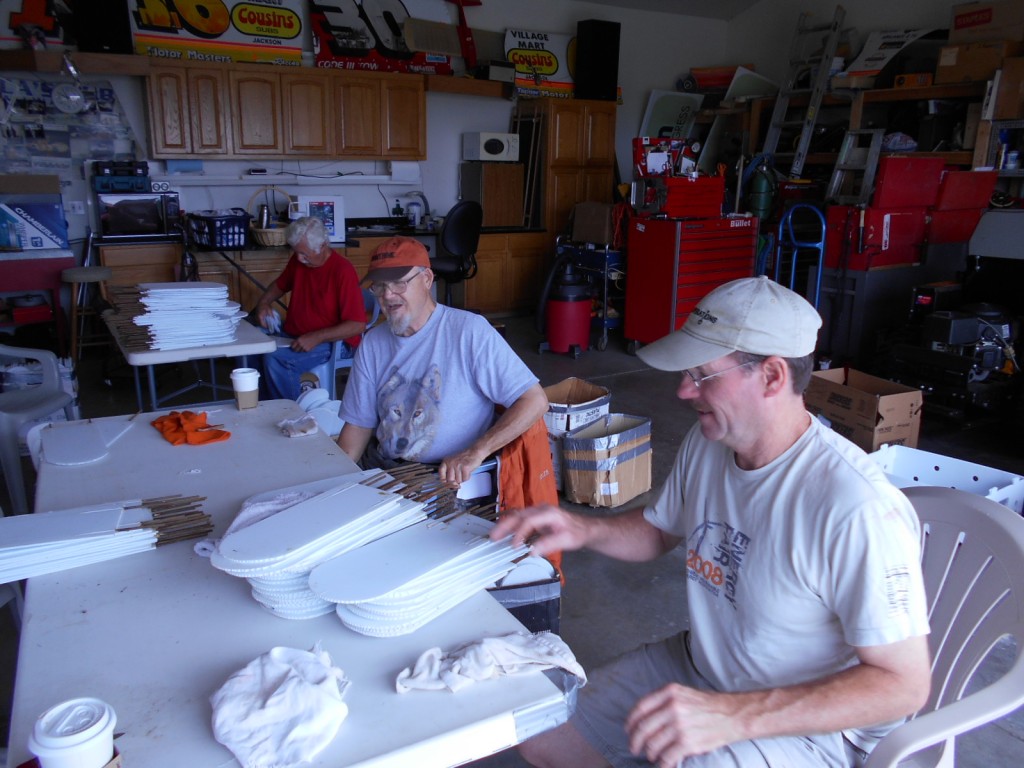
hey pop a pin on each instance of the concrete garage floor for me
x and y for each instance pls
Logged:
(609, 607)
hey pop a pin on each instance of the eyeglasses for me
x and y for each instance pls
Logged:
(698, 380)
(395, 286)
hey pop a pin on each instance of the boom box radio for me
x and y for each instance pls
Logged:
(490, 146)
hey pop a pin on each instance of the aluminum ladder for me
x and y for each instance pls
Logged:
(817, 65)
(845, 188)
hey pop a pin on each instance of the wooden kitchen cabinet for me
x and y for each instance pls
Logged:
(512, 267)
(308, 115)
(188, 113)
(146, 263)
(380, 115)
(253, 111)
(256, 106)
(262, 266)
(576, 161)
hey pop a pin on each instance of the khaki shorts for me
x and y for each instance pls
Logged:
(613, 689)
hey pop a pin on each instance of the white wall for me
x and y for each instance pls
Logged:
(655, 50)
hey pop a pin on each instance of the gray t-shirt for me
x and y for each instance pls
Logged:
(432, 394)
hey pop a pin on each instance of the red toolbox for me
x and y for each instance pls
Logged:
(673, 263)
(907, 182)
(963, 197)
(699, 197)
(891, 236)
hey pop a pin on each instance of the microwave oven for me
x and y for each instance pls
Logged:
(138, 214)
(490, 146)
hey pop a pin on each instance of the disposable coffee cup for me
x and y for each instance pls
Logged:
(246, 383)
(78, 733)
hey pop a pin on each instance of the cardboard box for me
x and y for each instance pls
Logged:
(978, 22)
(868, 411)
(592, 223)
(973, 62)
(572, 403)
(31, 213)
(1008, 98)
(607, 463)
(32, 226)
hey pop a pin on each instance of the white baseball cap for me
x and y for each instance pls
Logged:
(754, 315)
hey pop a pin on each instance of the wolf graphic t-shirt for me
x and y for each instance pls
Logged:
(432, 394)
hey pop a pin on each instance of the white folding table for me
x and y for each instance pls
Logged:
(156, 633)
(249, 340)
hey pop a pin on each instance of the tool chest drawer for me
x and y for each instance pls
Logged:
(673, 263)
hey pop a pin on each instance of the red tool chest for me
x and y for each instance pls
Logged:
(673, 263)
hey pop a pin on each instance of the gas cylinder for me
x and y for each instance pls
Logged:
(762, 190)
(567, 312)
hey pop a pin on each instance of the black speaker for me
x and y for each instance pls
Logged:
(597, 59)
(102, 26)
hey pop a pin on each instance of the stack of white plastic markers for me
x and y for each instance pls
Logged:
(276, 553)
(179, 315)
(47, 542)
(395, 585)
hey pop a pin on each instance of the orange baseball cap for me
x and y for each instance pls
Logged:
(392, 259)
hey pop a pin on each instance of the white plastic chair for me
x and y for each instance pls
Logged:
(327, 372)
(19, 406)
(973, 561)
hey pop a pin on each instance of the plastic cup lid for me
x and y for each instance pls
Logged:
(73, 722)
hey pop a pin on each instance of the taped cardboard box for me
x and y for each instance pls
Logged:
(868, 411)
(608, 463)
(974, 62)
(572, 403)
(977, 22)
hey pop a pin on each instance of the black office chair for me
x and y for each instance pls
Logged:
(456, 246)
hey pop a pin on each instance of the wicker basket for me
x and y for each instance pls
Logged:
(272, 237)
(269, 238)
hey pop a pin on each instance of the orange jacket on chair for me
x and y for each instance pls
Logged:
(527, 476)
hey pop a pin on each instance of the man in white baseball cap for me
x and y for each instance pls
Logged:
(805, 607)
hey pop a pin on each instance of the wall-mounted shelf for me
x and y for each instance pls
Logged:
(468, 86)
(86, 63)
(202, 180)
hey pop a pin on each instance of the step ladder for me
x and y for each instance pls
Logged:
(808, 57)
(853, 177)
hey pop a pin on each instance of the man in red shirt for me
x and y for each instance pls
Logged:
(326, 305)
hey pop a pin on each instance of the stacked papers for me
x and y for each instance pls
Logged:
(276, 554)
(395, 585)
(47, 542)
(181, 315)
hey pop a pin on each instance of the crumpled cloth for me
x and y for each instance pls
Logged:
(188, 427)
(304, 425)
(489, 658)
(282, 709)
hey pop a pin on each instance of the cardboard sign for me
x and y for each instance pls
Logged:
(542, 61)
(219, 30)
(370, 35)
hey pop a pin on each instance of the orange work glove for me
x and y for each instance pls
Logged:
(187, 427)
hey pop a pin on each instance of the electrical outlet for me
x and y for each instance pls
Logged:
(75, 207)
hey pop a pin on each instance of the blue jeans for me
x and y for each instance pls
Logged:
(283, 368)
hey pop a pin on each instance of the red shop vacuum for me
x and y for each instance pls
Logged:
(564, 311)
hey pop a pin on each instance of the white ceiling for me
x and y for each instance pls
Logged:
(709, 9)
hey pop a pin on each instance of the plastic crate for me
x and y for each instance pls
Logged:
(220, 229)
(907, 467)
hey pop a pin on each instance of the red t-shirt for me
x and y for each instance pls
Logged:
(322, 296)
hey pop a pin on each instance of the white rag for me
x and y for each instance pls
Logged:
(304, 425)
(282, 709)
(489, 658)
